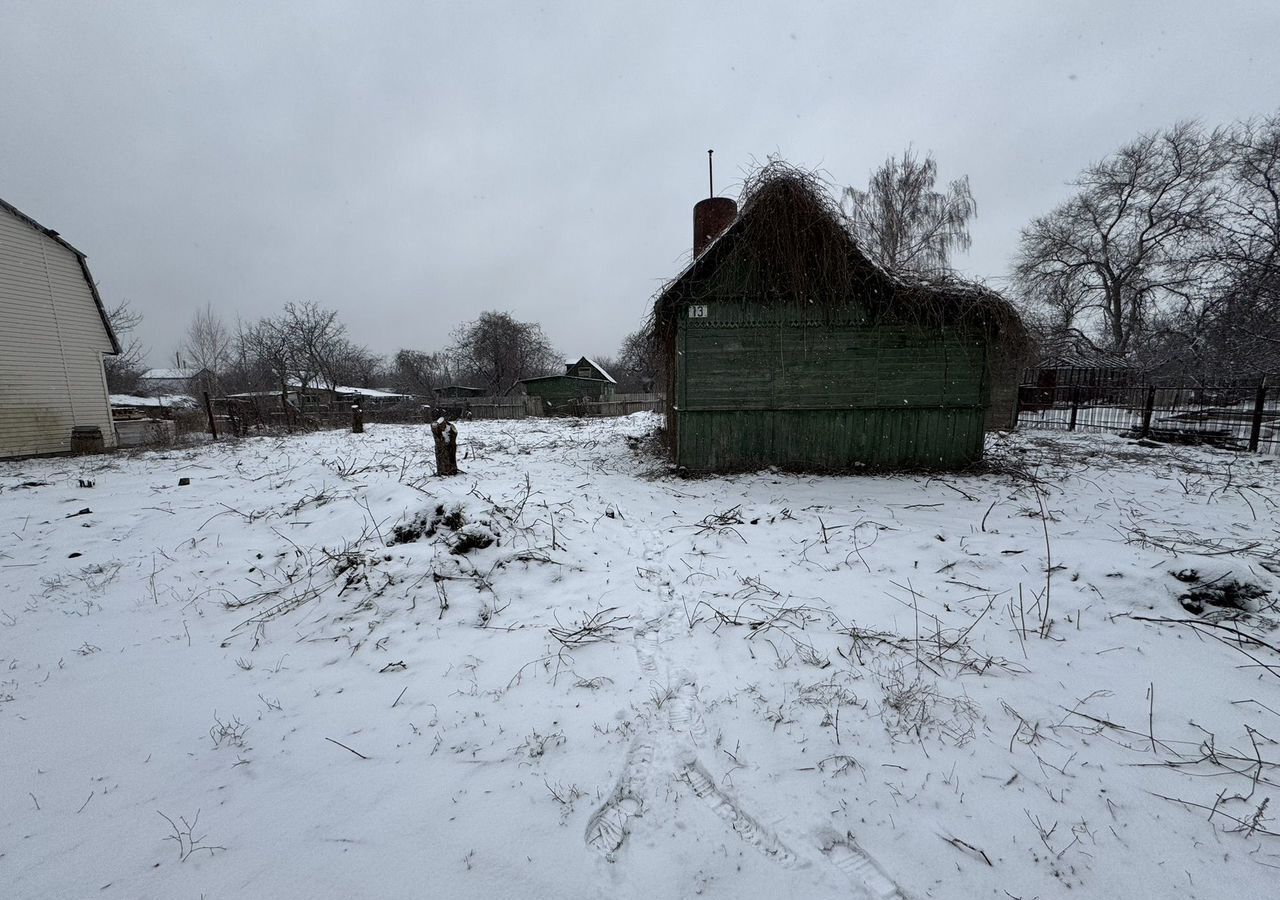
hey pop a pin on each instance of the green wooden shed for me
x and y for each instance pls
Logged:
(583, 379)
(784, 345)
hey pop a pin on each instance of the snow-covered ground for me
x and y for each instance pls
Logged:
(303, 674)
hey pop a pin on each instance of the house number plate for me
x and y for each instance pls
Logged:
(698, 312)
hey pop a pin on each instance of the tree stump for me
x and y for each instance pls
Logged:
(357, 419)
(446, 438)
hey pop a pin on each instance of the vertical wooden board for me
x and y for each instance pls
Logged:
(764, 385)
(829, 439)
(748, 362)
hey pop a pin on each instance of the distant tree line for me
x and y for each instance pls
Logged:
(306, 345)
(1167, 252)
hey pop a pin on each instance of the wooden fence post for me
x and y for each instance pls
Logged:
(208, 408)
(1148, 411)
(446, 437)
(1075, 409)
(1255, 427)
(284, 408)
(357, 419)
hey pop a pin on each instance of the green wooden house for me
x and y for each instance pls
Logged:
(583, 379)
(784, 345)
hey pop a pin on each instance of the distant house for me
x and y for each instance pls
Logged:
(185, 381)
(128, 405)
(53, 335)
(583, 379)
(320, 396)
(369, 398)
(1071, 370)
(783, 344)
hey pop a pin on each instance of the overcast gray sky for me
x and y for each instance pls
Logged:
(412, 164)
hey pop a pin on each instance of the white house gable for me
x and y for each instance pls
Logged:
(53, 335)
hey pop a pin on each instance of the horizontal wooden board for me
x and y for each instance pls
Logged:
(789, 367)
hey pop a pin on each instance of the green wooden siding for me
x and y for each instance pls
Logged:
(760, 386)
(559, 390)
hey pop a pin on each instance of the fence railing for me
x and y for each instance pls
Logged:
(618, 405)
(1244, 417)
(493, 407)
(237, 414)
(533, 406)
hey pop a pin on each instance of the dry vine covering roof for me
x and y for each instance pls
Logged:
(790, 244)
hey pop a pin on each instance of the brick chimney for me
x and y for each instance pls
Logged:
(710, 218)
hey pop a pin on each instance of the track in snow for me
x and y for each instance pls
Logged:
(674, 738)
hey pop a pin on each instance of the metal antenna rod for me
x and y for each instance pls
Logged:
(711, 185)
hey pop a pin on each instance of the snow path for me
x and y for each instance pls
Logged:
(674, 735)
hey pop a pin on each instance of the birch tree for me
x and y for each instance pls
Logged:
(904, 222)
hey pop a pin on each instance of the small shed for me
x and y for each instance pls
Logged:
(783, 344)
(1071, 368)
(583, 379)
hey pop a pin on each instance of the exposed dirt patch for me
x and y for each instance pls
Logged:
(1223, 592)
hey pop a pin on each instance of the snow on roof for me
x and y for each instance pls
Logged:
(295, 384)
(180, 400)
(366, 392)
(595, 365)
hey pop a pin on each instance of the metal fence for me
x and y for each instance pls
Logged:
(1241, 416)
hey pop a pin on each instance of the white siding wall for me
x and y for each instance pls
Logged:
(51, 345)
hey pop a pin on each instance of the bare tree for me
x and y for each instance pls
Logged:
(1130, 246)
(354, 365)
(1242, 317)
(637, 366)
(904, 222)
(606, 362)
(316, 340)
(416, 372)
(495, 351)
(1229, 328)
(265, 351)
(123, 369)
(208, 343)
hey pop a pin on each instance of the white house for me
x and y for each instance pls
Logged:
(53, 335)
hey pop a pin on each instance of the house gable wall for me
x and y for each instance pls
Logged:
(761, 385)
(52, 340)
